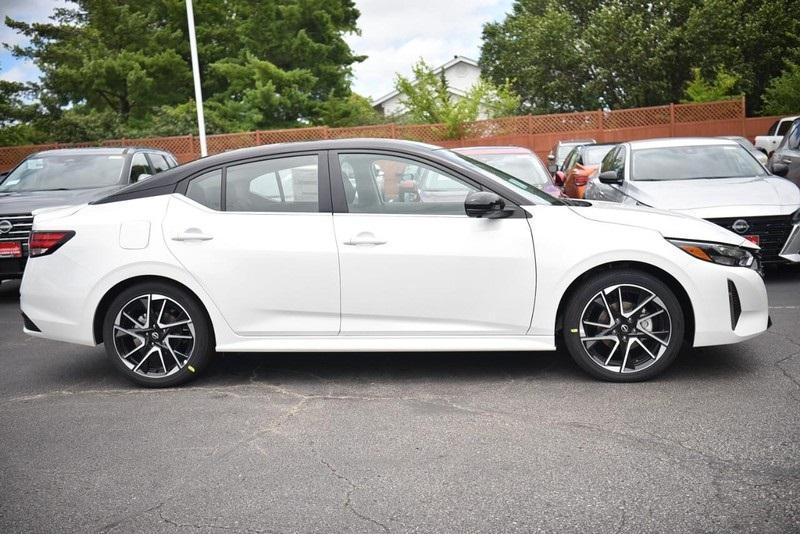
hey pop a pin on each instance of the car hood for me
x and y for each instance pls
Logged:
(720, 197)
(669, 224)
(26, 202)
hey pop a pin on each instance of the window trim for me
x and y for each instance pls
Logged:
(339, 197)
(129, 180)
(149, 156)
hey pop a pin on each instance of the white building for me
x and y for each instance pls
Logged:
(461, 73)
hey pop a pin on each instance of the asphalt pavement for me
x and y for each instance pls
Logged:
(455, 442)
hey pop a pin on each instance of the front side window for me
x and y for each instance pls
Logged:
(614, 160)
(693, 163)
(159, 163)
(784, 127)
(793, 137)
(289, 184)
(377, 183)
(139, 166)
(56, 172)
(206, 189)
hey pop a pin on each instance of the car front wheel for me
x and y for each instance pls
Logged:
(157, 335)
(623, 326)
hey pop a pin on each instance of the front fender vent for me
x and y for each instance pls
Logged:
(736, 304)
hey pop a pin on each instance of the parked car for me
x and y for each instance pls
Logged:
(198, 259)
(559, 152)
(758, 154)
(582, 163)
(518, 162)
(60, 178)
(769, 142)
(714, 179)
(785, 160)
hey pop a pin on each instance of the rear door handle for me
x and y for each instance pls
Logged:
(787, 160)
(192, 234)
(364, 238)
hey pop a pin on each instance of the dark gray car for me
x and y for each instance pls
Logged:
(788, 154)
(64, 177)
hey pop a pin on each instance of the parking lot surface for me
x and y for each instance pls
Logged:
(496, 442)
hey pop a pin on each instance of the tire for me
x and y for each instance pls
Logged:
(175, 340)
(629, 347)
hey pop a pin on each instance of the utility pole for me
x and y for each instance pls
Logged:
(198, 92)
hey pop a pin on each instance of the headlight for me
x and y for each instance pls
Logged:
(729, 255)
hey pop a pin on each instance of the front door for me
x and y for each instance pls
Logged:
(413, 263)
(254, 236)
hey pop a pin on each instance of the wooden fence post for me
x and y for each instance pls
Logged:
(672, 120)
(258, 137)
(744, 116)
(393, 131)
(601, 128)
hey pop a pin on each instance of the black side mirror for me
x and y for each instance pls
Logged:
(485, 204)
(610, 177)
(780, 169)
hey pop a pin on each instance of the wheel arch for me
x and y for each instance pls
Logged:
(671, 282)
(119, 287)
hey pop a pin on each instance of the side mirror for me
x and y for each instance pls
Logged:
(780, 169)
(551, 157)
(558, 178)
(485, 204)
(610, 177)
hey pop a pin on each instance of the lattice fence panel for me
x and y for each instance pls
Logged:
(636, 118)
(710, 111)
(292, 135)
(385, 131)
(497, 127)
(563, 122)
(219, 143)
(426, 133)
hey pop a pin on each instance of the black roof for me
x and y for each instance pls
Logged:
(172, 176)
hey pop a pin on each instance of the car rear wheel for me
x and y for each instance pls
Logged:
(624, 326)
(157, 335)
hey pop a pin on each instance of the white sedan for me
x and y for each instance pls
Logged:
(714, 179)
(300, 247)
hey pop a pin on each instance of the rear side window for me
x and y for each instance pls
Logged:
(288, 184)
(206, 189)
(159, 163)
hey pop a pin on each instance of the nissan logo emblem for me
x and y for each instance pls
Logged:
(5, 227)
(741, 226)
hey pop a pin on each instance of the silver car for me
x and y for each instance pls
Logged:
(714, 179)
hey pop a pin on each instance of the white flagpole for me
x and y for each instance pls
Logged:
(198, 92)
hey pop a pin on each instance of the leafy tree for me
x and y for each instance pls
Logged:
(782, 96)
(352, 110)
(722, 87)
(427, 99)
(124, 64)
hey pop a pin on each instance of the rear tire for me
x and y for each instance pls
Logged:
(157, 335)
(634, 345)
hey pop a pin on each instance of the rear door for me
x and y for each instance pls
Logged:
(415, 264)
(258, 236)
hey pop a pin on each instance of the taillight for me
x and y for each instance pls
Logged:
(10, 249)
(44, 243)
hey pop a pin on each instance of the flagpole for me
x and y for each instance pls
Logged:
(198, 92)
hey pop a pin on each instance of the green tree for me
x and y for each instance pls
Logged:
(427, 99)
(125, 64)
(782, 96)
(352, 110)
(722, 87)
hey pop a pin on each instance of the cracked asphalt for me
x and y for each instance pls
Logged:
(496, 442)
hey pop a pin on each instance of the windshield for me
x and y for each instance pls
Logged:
(526, 167)
(49, 173)
(593, 155)
(693, 163)
(534, 194)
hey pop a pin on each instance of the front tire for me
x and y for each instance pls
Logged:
(157, 335)
(623, 326)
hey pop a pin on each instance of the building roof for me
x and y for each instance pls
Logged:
(456, 60)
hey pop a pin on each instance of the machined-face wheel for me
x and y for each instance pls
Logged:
(625, 328)
(153, 335)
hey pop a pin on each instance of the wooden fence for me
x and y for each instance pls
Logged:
(536, 132)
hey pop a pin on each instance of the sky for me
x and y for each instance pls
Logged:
(394, 35)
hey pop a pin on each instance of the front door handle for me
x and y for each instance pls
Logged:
(192, 234)
(364, 239)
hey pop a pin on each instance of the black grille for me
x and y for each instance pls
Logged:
(21, 224)
(736, 304)
(772, 231)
